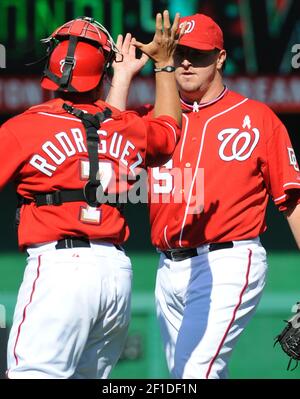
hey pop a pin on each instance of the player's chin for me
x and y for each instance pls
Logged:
(187, 86)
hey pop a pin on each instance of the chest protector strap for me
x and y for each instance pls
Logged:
(92, 193)
(93, 190)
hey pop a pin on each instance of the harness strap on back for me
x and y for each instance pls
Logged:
(93, 192)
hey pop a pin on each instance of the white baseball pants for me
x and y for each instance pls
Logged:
(72, 313)
(204, 303)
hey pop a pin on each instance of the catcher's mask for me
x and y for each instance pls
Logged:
(78, 54)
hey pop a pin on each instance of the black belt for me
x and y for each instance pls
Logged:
(61, 196)
(179, 254)
(77, 242)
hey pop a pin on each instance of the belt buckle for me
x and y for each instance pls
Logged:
(54, 198)
(179, 254)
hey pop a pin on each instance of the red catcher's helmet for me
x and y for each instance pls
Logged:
(77, 55)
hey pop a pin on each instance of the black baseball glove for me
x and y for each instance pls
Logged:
(289, 338)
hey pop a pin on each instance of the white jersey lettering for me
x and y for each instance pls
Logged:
(40, 163)
(102, 143)
(65, 147)
(53, 152)
(136, 163)
(78, 137)
(66, 143)
(126, 152)
(114, 148)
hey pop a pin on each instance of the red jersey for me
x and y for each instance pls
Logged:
(232, 155)
(45, 149)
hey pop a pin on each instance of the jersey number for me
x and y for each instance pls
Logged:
(165, 179)
(89, 214)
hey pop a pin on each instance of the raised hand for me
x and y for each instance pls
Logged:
(127, 63)
(161, 50)
(162, 47)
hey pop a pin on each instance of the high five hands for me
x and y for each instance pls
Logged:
(164, 42)
(160, 49)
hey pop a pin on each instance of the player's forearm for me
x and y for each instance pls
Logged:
(118, 93)
(293, 218)
(167, 100)
(161, 51)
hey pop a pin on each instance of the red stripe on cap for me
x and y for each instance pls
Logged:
(25, 308)
(233, 316)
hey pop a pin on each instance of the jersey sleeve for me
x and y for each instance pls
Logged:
(283, 173)
(145, 111)
(11, 155)
(163, 134)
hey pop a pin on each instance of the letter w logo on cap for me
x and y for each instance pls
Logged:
(190, 25)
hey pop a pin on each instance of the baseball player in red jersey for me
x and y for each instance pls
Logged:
(208, 204)
(66, 157)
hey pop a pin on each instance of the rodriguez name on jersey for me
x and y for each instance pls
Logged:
(65, 145)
